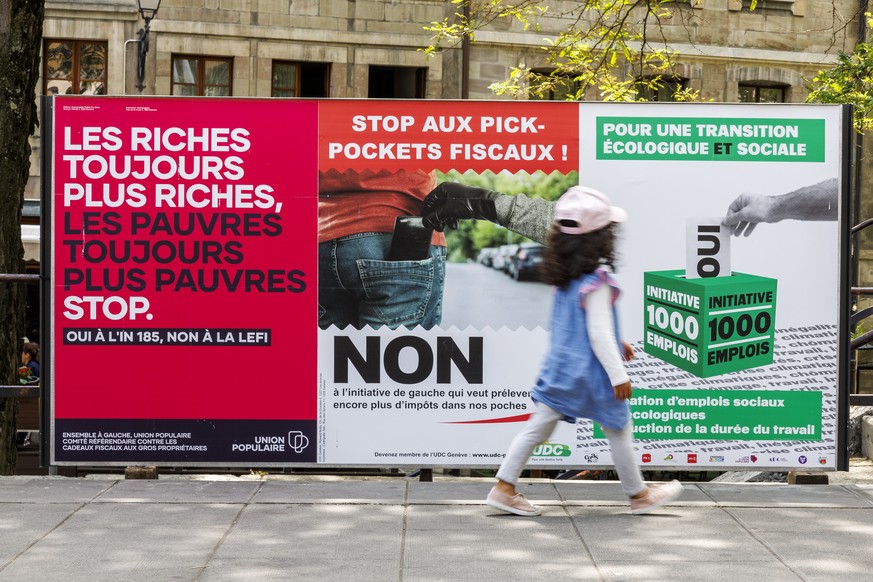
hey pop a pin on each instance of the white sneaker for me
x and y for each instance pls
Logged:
(658, 495)
(517, 504)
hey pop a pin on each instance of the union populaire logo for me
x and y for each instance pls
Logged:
(297, 441)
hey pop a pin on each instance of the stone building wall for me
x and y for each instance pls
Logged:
(350, 35)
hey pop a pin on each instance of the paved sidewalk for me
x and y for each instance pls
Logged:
(398, 529)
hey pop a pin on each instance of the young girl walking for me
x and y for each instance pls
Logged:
(583, 375)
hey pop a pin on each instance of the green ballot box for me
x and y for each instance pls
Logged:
(709, 326)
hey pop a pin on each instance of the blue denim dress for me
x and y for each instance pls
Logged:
(572, 380)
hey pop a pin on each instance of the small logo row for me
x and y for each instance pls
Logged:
(692, 459)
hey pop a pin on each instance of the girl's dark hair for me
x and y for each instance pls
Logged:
(32, 349)
(569, 256)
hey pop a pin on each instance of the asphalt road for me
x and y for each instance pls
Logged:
(480, 296)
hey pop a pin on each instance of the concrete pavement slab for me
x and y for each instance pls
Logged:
(306, 570)
(332, 491)
(451, 517)
(50, 490)
(309, 532)
(767, 495)
(694, 571)
(22, 524)
(673, 534)
(137, 541)
(161, 491)
(459, 542)
(474, 570)
(339, 529)
(461, 492)
(865, 491)
(817, 542)
(337, 541)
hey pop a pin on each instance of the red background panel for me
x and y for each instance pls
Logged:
(200, 243)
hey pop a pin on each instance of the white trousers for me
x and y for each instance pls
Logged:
(540, 427)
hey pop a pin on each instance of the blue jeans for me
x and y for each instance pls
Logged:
(357, 287)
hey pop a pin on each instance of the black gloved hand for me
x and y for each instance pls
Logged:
(450, 202)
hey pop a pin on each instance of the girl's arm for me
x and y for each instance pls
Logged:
(601, 334)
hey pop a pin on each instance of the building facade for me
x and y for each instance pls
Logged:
(371, 48)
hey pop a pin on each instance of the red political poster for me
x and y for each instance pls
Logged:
(184, 280)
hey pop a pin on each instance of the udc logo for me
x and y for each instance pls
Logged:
(297, 441)
(548, 449)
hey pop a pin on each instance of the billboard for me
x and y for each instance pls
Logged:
(231, 283)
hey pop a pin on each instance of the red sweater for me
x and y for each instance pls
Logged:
(351, 202)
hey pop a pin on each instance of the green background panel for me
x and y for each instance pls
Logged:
(725, 415)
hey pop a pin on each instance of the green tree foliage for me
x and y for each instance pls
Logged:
(849, 82)
(598, 38)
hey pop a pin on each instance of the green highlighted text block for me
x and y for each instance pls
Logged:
(715, 139)
(742, 415)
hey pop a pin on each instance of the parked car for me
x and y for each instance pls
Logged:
(524, 264)
(501, 258)
(486, 255)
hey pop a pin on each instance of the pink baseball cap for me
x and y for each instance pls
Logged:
(588, 208)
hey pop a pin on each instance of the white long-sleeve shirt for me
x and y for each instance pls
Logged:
(601, 333)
